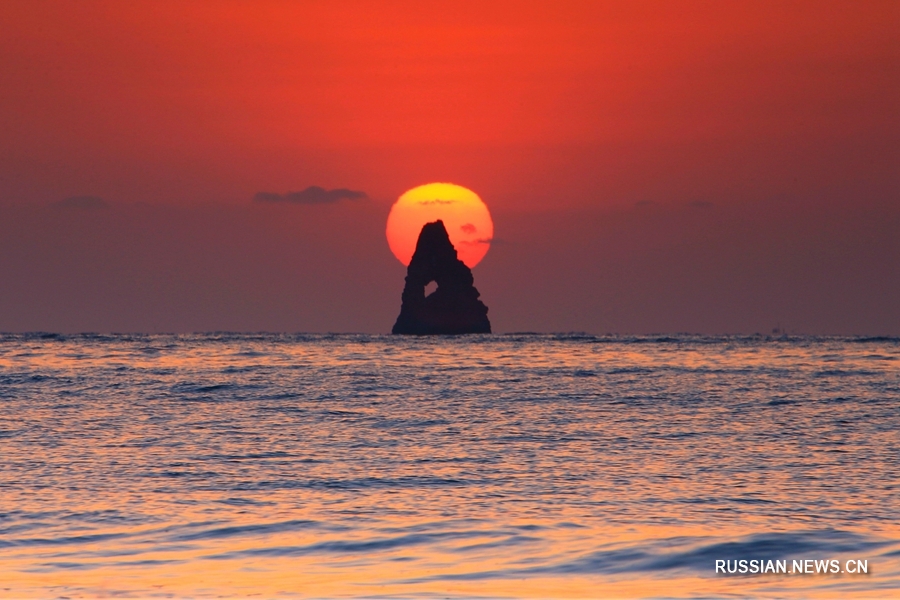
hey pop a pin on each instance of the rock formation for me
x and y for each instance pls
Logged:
(454, 306)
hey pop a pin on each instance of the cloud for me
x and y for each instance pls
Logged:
(468, 228)
(311, 195)
(437, 201)
(701, 204)
(477, 242)
(81, 203)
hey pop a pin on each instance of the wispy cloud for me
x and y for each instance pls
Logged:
(477, 242)
(701, 204)
(311, 195)
(81, 203)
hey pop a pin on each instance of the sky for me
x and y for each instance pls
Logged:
(651, 167)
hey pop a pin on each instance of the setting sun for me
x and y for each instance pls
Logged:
(464, 214)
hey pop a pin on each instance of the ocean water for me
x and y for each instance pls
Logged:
(505, 466)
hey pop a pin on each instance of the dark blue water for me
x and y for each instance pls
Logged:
(482, 466)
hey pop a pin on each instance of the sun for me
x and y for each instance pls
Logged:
(464, 214)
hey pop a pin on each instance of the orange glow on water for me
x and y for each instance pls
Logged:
(370, 466)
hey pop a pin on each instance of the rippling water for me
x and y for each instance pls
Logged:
(495, 466)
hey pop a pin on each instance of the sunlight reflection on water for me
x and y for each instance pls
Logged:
(541, 466)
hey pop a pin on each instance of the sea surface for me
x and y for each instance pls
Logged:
(507, 466)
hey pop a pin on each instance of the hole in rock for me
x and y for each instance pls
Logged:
(430, 288)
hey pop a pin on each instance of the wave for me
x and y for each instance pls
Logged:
(691, 555)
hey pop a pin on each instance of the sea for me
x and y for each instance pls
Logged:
(488, 466)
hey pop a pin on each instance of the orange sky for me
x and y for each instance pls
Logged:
(216, 100)
(771, 107)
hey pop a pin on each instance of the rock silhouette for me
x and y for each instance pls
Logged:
(454, 307)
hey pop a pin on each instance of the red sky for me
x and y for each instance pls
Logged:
(651, 166)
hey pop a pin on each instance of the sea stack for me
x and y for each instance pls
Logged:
(454, 307)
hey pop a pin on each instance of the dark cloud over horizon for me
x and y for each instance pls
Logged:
(311, 195)
(163, 268)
